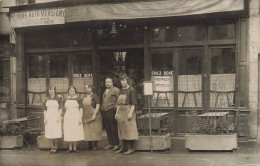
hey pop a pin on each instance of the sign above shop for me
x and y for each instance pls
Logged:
(82, 75)
(37, 17)
(162, 73)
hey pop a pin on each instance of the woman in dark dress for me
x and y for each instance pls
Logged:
(126, 116)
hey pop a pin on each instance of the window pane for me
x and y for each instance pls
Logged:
(82, 71)
(162, 34)
(58, 66)
(189, 78)
(59, 72)
(162, 77)
(219, 32)
(191, 33)
(37, 66)
(37, 80)
(120, 34)
(222, 79)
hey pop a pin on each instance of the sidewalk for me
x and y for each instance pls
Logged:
(247, 155)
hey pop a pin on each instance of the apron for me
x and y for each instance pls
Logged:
(92, 129)
(53, 128)
(72, 130)
(127, 129)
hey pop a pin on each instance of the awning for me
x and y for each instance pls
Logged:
(152, 9)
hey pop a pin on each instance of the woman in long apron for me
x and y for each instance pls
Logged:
(92, 120)
(126, 116)
(73, 127)
(52, 118)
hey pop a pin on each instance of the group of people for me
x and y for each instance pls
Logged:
(84, 114)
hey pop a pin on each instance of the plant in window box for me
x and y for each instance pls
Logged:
(213, 130)
(9, 135)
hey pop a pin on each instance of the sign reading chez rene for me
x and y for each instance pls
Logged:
(37, 17)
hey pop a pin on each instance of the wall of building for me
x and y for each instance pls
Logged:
(253, 44)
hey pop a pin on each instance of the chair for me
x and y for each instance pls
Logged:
(33, 129)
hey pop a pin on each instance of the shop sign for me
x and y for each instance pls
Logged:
(163, 83)
(162, 73)
(37, 17)
(82, 75)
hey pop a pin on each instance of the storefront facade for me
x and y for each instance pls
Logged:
(197, 59)
(7, 62)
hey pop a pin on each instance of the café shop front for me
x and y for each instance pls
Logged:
(192, 51)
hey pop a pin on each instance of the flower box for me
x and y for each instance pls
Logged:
(11, 142)
(196, 142)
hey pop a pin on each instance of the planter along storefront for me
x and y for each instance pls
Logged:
(190, 52)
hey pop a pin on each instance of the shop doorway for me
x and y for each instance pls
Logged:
(115, 62)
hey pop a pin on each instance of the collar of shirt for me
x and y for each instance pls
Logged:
(107, 90)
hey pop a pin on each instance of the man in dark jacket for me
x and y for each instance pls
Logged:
(108, 112)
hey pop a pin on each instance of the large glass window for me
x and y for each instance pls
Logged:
(191, 33)
(162, 34)
(36, 79)
(220, 32)
(162, 77)
(59, 72)
(223, 77)
(189, 78)
(82, 71)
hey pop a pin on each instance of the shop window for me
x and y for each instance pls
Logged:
(162, 77)
(36, 80)
(59, 72)
(223, 77)
(129, 61)
(82, 71)
(220, 32)
(191, 33)
(162, 34)
(120, 34)
(189, 78)
(4, 79)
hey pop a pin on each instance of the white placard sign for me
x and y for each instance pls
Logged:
(148, 88)
(37, 17)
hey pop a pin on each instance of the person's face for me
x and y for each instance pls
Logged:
(51, 91)
(124, 83)
(88, 89)
(72, 92)
(108, 83)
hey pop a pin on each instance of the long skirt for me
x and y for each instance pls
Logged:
(73, 131)
(53, 126)
(93, 129)
(127, 129)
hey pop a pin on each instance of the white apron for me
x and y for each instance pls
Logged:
(53, 117)
(72, 130)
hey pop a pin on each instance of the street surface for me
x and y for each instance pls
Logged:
(247, 155)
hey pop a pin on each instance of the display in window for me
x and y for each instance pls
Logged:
(222, 78)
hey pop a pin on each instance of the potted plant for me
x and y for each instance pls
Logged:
(211, 131)
(10, 136)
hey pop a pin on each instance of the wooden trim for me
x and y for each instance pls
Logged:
(99, 48)
(57, 50)
(70, 69)
(193, 43)
(147, 56)
(206, 79)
